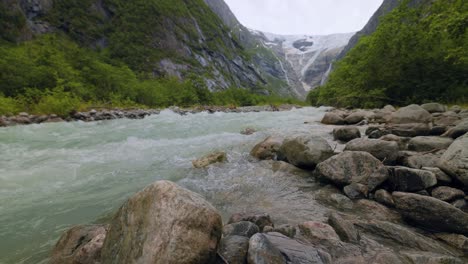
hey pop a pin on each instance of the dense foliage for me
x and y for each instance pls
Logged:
(417, 54)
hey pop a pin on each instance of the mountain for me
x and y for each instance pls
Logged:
(414, 53)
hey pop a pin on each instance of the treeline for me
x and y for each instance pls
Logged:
(417, 54)
(52, 74)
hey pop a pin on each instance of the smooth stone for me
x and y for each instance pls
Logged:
(458, 131)
(421, 144)
(410, 180)
(243, 228)
(447, 194)
(262, 251)
(267, 149)
(385, 151)
(409, 129)
(346, 134)
(384, 197)
(332, 119)
(442, 177)
(411, 114)
(306, 151)
(454, 161)
(434, 107)
(356, 191)
(234, 249)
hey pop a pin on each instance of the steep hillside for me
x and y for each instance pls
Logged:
(418, 53)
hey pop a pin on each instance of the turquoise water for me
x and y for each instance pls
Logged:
(56, 175)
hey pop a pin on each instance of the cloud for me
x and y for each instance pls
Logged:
(304, 16)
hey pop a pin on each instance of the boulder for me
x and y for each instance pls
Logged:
(418, 160)
(248, 131)
(447, 119)
(434, 107)
(458, 131)
(209, 159)
(430, 258)
(286, 229)
(345, 229)
(356, 117)
(421, 144)
(243, 228)
(80, 244)
(442, 177)
(163, 223)
(262, 251)
(296, 251)
(332, 196)
(234, 249)
(306, 151)
(385, 151)
(353, 167)
(461, 204)
(447, 194)
(376, 211)
(346, 134)
(384, 197)
(317, 231)
(389, 108)
(454, 161)
(259, 219)
(401, 141)
(409, 129)
(431, 213)
(267, 149)
(411, 114)
(356, 191)
(332, 119)
(410, 180)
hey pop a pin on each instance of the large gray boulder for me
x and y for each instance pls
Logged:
(418, 160)
(457, 131)
(431, 213)
(262, 251)
(422, 144)
(454, 161)
(434, 107)
(267, 149)
(409, 129)
(353, 167)
(447, 194)
(80, 244)
(357, 117)
(411, 114)
(385, 151)
(163, 223)
(411, 180)
(306, 151)
(346, 133)
(332, 119)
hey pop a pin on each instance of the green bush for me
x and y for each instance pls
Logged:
(9, 106)
(58, 102)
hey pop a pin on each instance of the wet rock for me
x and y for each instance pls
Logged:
(260, 219)
(345, 229)
(457, 131)
(356, 191)
(243, 228)
(267, 149)
(454, 161)
(356, 117)
(384, 197)
(411, 180)
(430, 258)
(163, 223)
(353, 167)
(306, 151)
(234, 249)
(385, 151)
(346, 134)
(401, 235)
(431, 213)
(332, 119)
(455, 240)
(80, 244)
(447, 194)
(434, 107)
(296, 251)
(209, 159)
(401, 141)
(411, 114)
(421, 144)
(442, 177)
(262, 251)
(248, 131)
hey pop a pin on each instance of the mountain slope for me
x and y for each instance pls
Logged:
(418, 53)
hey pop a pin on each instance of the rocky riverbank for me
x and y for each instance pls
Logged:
(397, 194)
(109, 114)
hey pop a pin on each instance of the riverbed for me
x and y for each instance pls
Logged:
(56, 175)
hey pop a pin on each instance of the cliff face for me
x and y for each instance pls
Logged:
(156, 37)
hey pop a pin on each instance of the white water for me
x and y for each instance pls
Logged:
(53, 176)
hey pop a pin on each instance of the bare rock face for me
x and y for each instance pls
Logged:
(209, 159)
(161, 224)
(80, 245)
(267, 149)
(353, 167)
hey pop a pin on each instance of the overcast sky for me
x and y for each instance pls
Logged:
(317, 17)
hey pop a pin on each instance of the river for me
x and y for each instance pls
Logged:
(53, 176)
